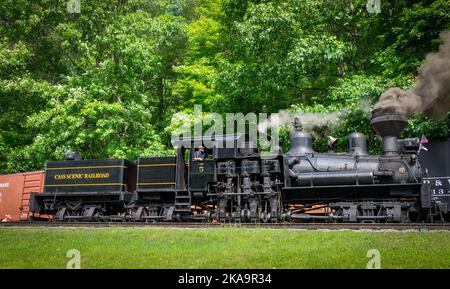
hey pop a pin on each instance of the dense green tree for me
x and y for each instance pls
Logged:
(98, 129)
(118, 58)
(108, 80)
(279, 53)
(197, 76)
(20, 96)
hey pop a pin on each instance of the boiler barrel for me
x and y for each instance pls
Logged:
(335, 178)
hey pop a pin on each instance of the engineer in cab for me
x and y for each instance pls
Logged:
(200, 154)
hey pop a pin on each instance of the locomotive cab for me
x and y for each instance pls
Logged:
(202, 170)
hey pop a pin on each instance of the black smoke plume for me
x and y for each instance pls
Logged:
(431, 93)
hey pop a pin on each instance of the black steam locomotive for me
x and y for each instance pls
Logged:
(238, 184)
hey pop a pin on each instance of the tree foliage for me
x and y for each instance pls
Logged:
(107, 81)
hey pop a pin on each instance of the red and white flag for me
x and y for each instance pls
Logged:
(423, 140)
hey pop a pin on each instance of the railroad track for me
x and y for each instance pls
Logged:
(299, 226)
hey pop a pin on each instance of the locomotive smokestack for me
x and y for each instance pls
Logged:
(389, 125)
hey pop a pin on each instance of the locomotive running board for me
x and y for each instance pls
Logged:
(351, 191)
(355, 186)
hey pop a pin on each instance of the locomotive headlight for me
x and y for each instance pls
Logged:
(402, 169)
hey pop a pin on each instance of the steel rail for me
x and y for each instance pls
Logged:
(199, 225)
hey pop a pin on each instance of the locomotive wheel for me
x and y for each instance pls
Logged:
(98, 216)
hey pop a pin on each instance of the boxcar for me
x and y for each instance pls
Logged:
(15, 193)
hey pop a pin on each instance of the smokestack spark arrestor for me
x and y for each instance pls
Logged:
(389, 127)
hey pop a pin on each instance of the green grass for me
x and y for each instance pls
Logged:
(220, 248)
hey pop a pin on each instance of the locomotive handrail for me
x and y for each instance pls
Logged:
(314, 167)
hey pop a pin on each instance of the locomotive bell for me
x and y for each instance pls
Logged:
(389, 127)
(357, 144)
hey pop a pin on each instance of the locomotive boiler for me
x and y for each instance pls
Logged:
(238, 184)
(357, 186)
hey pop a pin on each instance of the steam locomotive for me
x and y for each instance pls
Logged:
(238, 184)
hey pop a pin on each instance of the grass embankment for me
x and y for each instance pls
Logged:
(219, 248)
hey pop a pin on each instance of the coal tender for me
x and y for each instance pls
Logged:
(86, 190)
